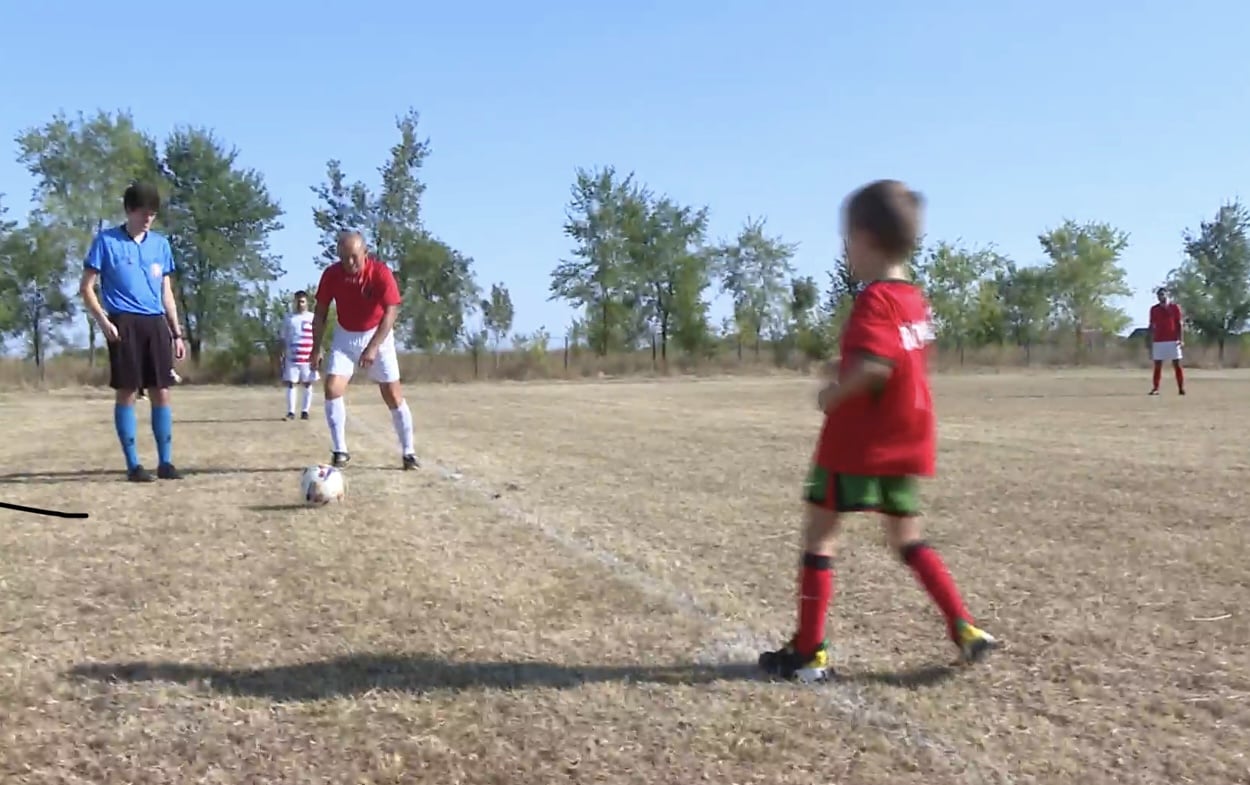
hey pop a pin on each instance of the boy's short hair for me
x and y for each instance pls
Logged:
(890, 212)
(142, 196)
(301, 293)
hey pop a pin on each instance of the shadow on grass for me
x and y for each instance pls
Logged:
(90, 475)
(1044, 396)
(224, 420)
(290, 507)
(910, 679)
(355, 675)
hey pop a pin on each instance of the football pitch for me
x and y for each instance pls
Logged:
(575, 586)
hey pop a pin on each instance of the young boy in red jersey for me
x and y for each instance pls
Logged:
(879, 434)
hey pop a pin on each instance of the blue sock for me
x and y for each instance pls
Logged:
(163, 430)
(124, 422)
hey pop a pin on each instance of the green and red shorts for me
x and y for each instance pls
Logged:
(895, 496)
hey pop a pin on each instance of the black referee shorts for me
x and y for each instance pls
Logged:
(142, 357)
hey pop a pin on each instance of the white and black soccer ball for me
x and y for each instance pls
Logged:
(322, 484)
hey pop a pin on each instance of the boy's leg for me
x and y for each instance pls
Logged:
(1158, 375)
(805, 656)
(900, 503)
(290, 400)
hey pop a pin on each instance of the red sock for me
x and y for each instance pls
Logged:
(930, 570)
(1158, 373)
(815, 593)
(1180, 376)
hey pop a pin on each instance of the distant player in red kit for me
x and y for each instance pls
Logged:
(879, 434)
(1167, 336)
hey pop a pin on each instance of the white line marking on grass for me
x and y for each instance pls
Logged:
(737, 644)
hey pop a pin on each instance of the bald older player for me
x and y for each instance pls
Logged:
(367, 303)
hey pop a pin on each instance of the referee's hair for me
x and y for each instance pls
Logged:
(141, 196)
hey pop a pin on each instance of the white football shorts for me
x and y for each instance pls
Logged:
(299, 373)
(346, 347)
(1165, 351)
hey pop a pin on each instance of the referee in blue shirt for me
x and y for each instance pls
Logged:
(137, 313)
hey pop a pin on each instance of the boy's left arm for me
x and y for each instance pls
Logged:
(870, 373)
(872, 340)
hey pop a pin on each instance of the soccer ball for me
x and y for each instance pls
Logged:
(322, 484)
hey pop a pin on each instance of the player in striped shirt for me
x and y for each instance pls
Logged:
(297, 342)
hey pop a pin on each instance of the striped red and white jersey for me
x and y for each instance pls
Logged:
(297, 333)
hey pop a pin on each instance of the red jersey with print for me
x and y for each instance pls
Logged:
(891, 431)
(360, 301)
(1165, 322)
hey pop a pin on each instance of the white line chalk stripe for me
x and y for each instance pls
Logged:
(741, 644)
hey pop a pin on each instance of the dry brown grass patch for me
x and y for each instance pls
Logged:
(583, 602)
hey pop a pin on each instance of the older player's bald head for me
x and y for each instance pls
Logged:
(351, 251)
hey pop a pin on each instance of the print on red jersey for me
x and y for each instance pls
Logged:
(299, 338)
(890, 432)
(1165, 322)
(362, 300)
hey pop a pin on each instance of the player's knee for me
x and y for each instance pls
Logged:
(820, 530)
(335, 386)
(905, 550)
(902, 532)
(392, 394)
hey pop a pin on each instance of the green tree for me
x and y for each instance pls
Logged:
(439, 293)
(755, 271)
(82, 165)
(33, 279)
(810, 337)
(667, 266)
(1212, 284)
(434, 279)
(8, 314)
(344, 207)
(497, 315)
(1026, 294)
(953, 276)
(594, 279)
(841, 293)
(397, 224)
(1086, 275)
(691, 327)
(219, 219)
(256, 329)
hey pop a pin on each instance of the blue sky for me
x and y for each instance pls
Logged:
(1010, 117)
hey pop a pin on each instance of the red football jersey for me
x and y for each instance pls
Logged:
(1165, 322)
(893, 431)
(360, 301)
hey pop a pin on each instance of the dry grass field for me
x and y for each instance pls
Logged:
(574, 588)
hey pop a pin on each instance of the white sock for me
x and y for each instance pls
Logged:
(401, 417)
(307, 398)
(290, 400)
(336, 418)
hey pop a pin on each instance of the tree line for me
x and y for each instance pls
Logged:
(641, 271)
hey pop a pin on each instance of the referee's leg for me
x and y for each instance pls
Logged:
(158, 377)
(125, 377)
